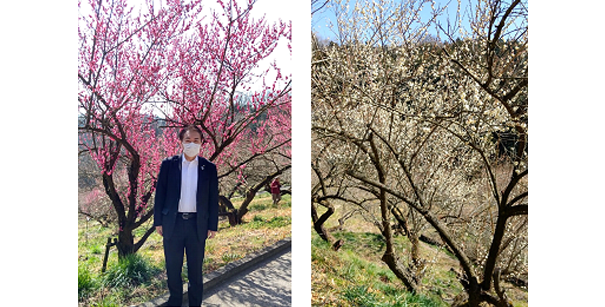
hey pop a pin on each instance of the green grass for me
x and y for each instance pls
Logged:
(86, 282)
(119, 283)
(351, 277)
(259, 222)
(356, 275)
(386, 297)
(107, 302)
(142, 277)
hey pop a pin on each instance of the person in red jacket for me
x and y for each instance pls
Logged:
(275, 190)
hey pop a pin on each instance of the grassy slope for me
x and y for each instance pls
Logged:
(263, 226)
(350, 277)
(355, 275)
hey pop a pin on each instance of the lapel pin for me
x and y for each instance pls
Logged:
(202, 167)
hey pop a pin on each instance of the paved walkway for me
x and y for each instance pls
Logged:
(259, 279)
(267, 284)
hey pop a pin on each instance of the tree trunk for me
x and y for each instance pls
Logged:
(404, 274)
(243, 209)
(474, 294)
(227, 208)
(417, 264)
(127, 223)
(318, 224)
(399, 270)
(125, 244)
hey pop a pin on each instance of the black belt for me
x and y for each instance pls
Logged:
(187, 215)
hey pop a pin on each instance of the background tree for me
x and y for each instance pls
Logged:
(170, 67)
(120, 69)
(216, 86)
(422, 116)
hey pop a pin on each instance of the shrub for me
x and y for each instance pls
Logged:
(131, 270)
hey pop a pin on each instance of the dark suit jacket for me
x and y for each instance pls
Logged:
(168, 193)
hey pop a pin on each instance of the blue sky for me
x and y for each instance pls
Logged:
(321, 19)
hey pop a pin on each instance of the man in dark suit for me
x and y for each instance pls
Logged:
(186, 213)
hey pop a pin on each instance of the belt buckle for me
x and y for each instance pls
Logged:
(186, 215)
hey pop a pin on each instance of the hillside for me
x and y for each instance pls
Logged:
(355, 275)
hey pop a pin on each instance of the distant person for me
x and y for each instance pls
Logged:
(275, 190)
(186, 214)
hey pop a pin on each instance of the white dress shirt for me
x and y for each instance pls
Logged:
(187, 203)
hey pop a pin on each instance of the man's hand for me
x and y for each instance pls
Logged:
(211, 234)
(158, 229)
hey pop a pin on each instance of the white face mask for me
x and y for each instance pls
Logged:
(191, 149)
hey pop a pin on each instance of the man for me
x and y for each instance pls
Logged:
(186, 213)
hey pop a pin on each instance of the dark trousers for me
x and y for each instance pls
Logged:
(184, 238)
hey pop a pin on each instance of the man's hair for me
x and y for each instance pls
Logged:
(190, 128)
